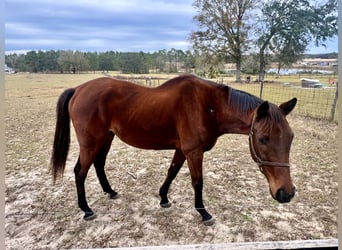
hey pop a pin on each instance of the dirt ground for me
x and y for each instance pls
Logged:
(42, 216)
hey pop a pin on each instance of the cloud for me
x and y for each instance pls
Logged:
(90, 25)
(98, 25)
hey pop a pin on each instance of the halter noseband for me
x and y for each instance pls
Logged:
(257, 159)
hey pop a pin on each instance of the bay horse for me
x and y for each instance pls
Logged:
(186, 114)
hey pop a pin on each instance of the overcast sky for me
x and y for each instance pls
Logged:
(91, 25)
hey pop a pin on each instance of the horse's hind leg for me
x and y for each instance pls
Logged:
(99, 164)
(81, 170)
(176, 164)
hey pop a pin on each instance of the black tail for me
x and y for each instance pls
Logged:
(62, 135)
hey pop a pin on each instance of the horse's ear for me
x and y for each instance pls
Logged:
(287, 107)
(262, 110)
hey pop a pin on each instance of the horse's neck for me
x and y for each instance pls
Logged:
(237, 110)
(232, 122)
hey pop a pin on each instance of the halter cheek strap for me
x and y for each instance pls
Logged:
(256, 158)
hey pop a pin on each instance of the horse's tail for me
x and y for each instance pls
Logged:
(62, 135)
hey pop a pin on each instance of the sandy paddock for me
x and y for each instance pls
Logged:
(40, 215)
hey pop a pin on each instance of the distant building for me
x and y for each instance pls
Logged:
(319, 62)
(9, 69)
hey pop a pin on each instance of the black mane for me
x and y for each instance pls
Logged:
(242, 101)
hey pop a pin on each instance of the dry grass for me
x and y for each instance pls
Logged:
(40, 215)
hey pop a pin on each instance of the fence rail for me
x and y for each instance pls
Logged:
(296, 244)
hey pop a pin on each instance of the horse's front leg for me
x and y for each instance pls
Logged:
(195, 161)
(176, 164)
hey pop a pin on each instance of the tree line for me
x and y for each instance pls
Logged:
(163, 61)
(68, 61)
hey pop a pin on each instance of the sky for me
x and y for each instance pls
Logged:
(104, 25)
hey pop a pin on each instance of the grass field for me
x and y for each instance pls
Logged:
(39, 215)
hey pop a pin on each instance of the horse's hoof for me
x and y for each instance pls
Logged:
(89, 216)
(209, 222)
(165, 205)
(113, 196)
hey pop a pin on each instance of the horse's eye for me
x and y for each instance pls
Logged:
(263, 140)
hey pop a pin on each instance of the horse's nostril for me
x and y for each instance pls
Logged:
(283, 197)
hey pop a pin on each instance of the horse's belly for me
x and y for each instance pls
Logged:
(147, 139)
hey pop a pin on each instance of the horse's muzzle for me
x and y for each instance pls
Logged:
(282, 196)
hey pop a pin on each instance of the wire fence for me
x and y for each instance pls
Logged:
(313, 102)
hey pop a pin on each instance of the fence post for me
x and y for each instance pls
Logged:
(261, 88)
(333, 107)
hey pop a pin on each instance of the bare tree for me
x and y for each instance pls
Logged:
(223, 29)
(72, 61)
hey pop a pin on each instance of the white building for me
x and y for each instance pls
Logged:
(9, 69)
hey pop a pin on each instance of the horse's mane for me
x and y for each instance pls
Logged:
(243, 102)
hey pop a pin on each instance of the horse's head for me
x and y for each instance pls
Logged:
(270, 140)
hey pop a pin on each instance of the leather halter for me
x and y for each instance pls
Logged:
(256, 158)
